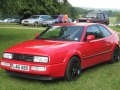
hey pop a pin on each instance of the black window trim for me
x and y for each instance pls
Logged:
(90, 26)
(106, 29)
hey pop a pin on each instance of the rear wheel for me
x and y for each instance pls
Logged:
(115, 55)
(73, 69)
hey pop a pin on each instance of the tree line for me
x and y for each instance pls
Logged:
(26, 8)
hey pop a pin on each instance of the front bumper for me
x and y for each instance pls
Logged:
(27, 23)
(52, 71)
(29, 76)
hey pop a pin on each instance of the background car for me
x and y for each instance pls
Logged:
(53, 20)
(35, 20)
(62, 50)
(9, 20)
(95, 17)
(1, 21)
(17, 20)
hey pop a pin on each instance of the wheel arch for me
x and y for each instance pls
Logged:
(77, 54)
(115, 45)
(70, 55)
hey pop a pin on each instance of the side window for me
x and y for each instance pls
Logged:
(102, 16)
(98, 16)
(104, 31)
(106, 16)
(46, 17)
(93, 30)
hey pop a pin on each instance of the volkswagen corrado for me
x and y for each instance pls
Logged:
(62, 50)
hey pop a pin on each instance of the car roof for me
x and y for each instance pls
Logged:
(76, 24)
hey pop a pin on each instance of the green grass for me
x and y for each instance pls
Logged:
(116, 28)
(100, 77)
(112, 20)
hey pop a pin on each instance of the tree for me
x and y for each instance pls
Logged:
(26, 8)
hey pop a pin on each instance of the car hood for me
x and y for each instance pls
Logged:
(39, 47)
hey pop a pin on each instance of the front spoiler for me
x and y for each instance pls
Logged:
(30, 76)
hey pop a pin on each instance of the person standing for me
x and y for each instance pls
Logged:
(65, 18)
(60, 18)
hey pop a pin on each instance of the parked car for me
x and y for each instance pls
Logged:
(53, 20)
(17, 20)
(8, 20)
(35, 20)
(62, 50)
(95, 17)
(1, 21)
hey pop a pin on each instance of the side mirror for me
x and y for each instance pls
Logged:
(36, 34)
(90, 37)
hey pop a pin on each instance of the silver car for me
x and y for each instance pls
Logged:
(35, 20)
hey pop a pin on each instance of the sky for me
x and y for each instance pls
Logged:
(112, 4)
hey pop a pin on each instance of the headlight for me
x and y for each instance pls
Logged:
(40, 59)
(7, 55)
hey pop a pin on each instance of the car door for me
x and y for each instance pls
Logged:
(95, 49)
(106, 34)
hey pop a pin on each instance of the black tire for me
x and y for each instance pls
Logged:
(73, 69)
(115, 55)
(36, 24)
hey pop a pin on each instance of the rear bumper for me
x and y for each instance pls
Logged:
(52, 71)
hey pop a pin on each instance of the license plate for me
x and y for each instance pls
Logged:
(20, 67)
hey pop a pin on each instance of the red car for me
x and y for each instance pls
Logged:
(62, 50)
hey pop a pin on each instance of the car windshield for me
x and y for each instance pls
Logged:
(34, 17)
(68, 33)
(91, 15)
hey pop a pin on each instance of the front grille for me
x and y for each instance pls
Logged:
(21, 57)
(26, 21)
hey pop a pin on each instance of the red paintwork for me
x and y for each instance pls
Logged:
(59, 52)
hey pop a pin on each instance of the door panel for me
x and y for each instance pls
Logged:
(97, 50)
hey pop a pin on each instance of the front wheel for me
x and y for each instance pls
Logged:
(115, 55)
(36, 24)
(73, 69)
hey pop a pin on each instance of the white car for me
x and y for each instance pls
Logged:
(35, 20)
(9, 20)
(1, 21)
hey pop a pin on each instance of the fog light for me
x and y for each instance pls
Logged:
(5, 64)
(36, 68)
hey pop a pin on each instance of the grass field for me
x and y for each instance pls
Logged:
(100, 77)
(113, 20)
